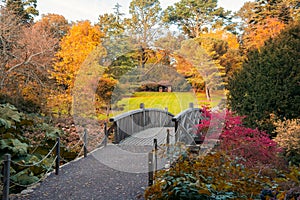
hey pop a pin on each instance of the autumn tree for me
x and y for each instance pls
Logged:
(24, 62)
(256, 35)
(55, 24)
(194, 17)
(225, 49)
(268, 83)
(198, 53)
(261, 20)
(280, 9)
(75, 47)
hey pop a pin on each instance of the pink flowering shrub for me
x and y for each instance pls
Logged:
(251, 146)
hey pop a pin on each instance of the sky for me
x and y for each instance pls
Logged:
(74, 10)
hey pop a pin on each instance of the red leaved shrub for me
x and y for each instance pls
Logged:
(251, 146)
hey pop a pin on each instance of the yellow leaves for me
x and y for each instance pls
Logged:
(224, 35)
(76, 46)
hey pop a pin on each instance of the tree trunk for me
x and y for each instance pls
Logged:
(207, 92)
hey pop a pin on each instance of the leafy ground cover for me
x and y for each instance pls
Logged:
(29, 138)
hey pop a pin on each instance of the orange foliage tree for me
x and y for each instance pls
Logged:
(75, 47)
(257, 34)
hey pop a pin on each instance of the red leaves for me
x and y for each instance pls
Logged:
(253, 146)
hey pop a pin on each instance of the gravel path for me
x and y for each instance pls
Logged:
(89, 178)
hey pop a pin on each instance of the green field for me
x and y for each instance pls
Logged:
(174, 101)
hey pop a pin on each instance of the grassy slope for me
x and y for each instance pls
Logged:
(174, 101)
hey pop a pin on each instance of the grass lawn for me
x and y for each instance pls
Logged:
(174, 101)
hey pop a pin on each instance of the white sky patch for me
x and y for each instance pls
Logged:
(76, 10)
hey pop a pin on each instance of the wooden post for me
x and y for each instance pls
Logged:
(168, 137)
(142, 106)
(6, 176)
(155, 154)
(85, 143)
(57, 161)
(116, 132)
(165, 121)
(176, 128)
(150, 169)
(168, 141)
(105, 134)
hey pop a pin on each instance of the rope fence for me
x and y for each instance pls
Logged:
(35, 183)
(7, 162)
(9, 182)
(37, 163)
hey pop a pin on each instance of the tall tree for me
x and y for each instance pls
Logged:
(201, 55)
(75, 47)
(194, 17)
(116, 42)
(145, 16)
(112, 24)
(143, 25)
(268, 83)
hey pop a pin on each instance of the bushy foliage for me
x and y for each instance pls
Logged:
(246, 164)
(219, 176)
(288, 138)
(268, 83)
(254, 147)
(28, 139)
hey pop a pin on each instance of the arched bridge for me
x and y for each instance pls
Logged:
(140, 127)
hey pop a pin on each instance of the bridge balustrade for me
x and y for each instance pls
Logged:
(132, 122)
(185, 125)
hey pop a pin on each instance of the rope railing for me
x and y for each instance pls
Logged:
(8, 161)
(75, 145)
(35, 183)
(37, 163)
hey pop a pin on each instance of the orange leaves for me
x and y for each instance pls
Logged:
(81, 40)
(260, 33)
(224, 35)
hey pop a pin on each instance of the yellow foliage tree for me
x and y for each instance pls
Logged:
(228, 53)
(224, 35)
(82, 39)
